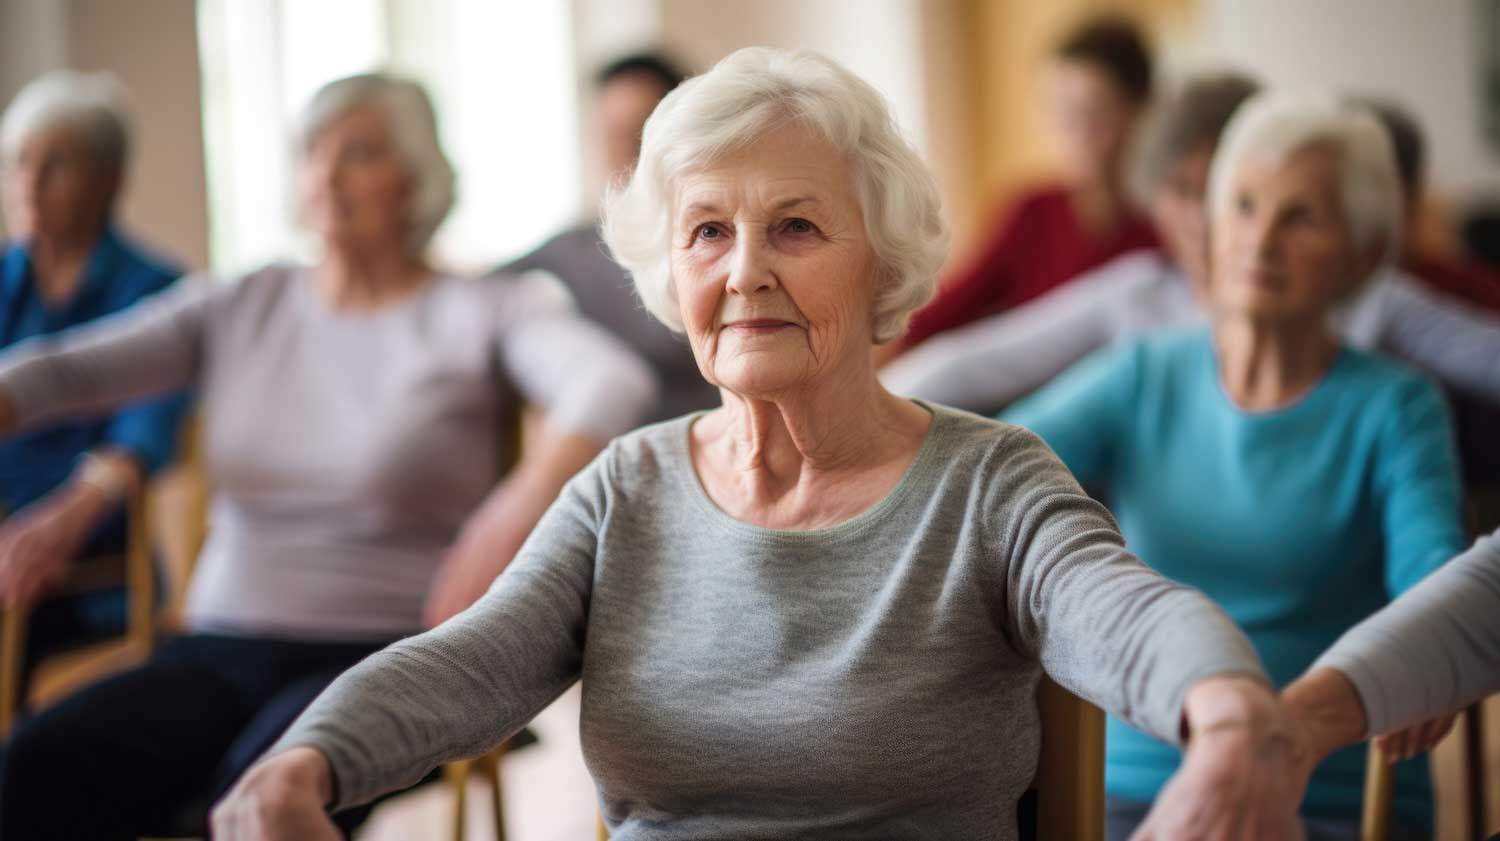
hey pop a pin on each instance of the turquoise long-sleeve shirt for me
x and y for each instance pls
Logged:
(1300, 521)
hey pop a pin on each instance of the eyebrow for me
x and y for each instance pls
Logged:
(787, 203)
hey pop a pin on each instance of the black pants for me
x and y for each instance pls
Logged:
(130, 755)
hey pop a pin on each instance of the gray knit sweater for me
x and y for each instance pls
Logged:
(870, 680)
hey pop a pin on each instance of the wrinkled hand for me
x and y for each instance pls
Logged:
(468, 570)
(280, 799)
(1242, 778)
(37, 548)
(1416, 739)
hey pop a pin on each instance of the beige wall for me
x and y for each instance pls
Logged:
(153, 48)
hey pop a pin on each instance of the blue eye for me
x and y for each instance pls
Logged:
(799, 226)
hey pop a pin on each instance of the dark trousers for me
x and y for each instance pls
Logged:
(131, 755)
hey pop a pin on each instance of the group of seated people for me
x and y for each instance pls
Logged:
(815, 595)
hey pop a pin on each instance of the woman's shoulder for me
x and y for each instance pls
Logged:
(647, 454)
(1377, 379)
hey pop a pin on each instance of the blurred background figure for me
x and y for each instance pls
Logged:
(355, 423)
(1098, 84)
(64, 149)
(1299, 482)
(625, 93)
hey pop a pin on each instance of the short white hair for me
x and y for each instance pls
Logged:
(1274, 126)
(413, 125)
(750, 94)
(92, 103)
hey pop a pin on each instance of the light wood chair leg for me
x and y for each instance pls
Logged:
(491, 764)
(1380, 780)
(1070, 771)
(458, 779)
(12, 655)
(603, 832)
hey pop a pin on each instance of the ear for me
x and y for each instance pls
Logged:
(1369, 258)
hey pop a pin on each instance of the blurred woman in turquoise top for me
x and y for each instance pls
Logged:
(1299, 482)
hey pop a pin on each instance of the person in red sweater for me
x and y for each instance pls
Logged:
(1099, 83)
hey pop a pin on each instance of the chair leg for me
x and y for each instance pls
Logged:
(12, 657)
(497, 801)
(1380, 779)
(458, 779)
(1475, 768)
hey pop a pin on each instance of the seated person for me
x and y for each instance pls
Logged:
(64, 143)
(819, 610)
(352, 412)
(625, 92)
(1098, 85)
(1298, 482)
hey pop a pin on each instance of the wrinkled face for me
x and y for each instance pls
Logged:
(623, 104)
(1177, 208)
(354, 189)
(1282, 245)
(1091, 117)
(772, 268)
(53, 186)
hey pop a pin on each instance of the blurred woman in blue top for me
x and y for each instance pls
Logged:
(63, 147)
(1298, 482)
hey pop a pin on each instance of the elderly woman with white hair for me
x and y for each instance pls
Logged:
(64, 143)
(1298, 482)
(818, 610)
(354, 415)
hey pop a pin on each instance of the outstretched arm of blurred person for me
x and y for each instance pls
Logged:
(495, 532)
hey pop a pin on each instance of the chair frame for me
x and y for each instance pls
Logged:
(74, 667)
(1380, 781)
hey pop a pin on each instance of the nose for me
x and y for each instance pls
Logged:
(752, 268)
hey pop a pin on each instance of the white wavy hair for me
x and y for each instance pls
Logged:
(413, 125)
(749, 94)
(1273, 126)
(93, 103)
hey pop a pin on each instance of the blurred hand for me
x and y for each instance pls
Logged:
(283, 798)
(38, 545)
(1244, 773)
(468, 569)
(1416, 739)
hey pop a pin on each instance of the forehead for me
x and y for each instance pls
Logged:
(1310, 170)
(364, 120)
(786, 161)
(54, 138)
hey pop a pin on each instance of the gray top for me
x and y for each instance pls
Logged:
(605, 294)
(874, 679)
(989, 364)
(1431, 651)
(345, 449)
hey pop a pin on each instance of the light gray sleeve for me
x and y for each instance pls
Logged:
(149, 349)
(589, 381)
(1456, 343)
(466, 686)
(1105, 626)
(1435, 649)
(989, 364)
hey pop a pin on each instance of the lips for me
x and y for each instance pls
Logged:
(757, 326)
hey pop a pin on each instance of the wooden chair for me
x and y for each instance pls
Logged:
(1380, 779)
(63, 673)
(1069, 782)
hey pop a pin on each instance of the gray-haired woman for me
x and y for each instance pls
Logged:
(818, 610)
(353, 414)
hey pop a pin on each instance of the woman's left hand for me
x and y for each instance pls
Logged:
(1244, 773)
(38, 546)
(1416, 739)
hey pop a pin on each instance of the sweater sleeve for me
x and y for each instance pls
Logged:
(1431, 651)
(589, 381)
(148, 350)
(993, 362)
(1082, 415)
(1417, 485)
(1458, 344)
(1103, 625)
(472, 682)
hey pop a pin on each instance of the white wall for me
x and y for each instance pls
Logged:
(1423, 54)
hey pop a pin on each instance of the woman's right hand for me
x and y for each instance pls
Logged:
(283, 798)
